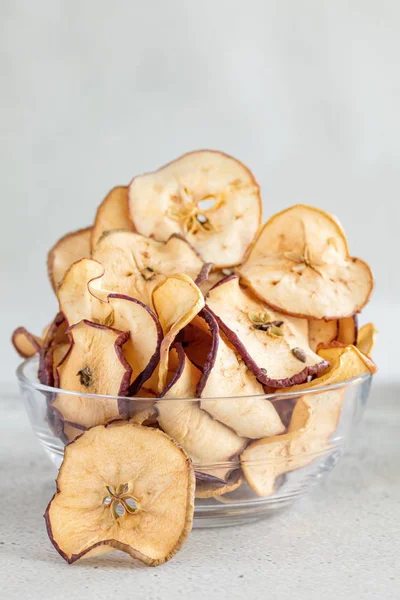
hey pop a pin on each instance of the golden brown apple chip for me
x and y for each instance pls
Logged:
(25, 343)
(366, 338)
(79, 291)
(135, 265)
(177, 300)
(321, 332)
(300, 265)
(212, 446)
(95, 364)
(347, 331)
(112, 214)
(128, 488)
(65, 252)
(273, 346)
(142, 350)
(230, 392)
(209, 197)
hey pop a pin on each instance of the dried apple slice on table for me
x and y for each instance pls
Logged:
(128, 488)
(314, 420)
(25, 343)
(135, 265)
(300, 265)
(229, 391)
(273, 346)
(177, 300)
(95, 364)
(209, 197)
(366, 338)
(65, 252)
(112, 214)
(211, 445)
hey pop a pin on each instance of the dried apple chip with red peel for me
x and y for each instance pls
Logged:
(273, 346)
(76, 293)
(209, 486)
(112, 214)
(135, 265)
(95, 364)
(128, 488)
(25, 343)
(207, 196)
(65, 252)
(54, 337)
(366, 338)
(197, 344)
(229, 391)
(300, 265)
(142, 350)
(177, 300)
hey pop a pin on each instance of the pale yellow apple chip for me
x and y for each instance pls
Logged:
(177, 300)
(112, 214)
(65, 252)
(25, 343)
(274, 346)
(366, 338)
(300, 265)
(79, 293)
(321, 332)
(211, 445)
(135, 265)
(95, 364)
(128, 488)
(209, 197)
(231, 393)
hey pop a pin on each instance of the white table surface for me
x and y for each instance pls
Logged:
(342, 541)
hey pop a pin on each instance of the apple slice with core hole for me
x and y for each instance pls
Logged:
(300, 265)
(112, 214)
(135, 265)
(65, 252)
(209, 197)
(95, 364)
(128, 488)
(273, 346)
(177, 300)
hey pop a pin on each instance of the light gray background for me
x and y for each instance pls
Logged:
(306, 93)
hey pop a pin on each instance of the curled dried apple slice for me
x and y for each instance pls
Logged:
(197, 344)
(321, 332)
(76, 295)
(112, 214)
(25, 343)
(273, 346)
(177, 300)
(135, 265)
(209, 486)
(347, 331)
(142, 350)
(211, 445)
(71, 431)
(65, 252)
(209, 197)
(300, 265)
(366, 338)
(128, 488)
(95, 364)
(226, 387)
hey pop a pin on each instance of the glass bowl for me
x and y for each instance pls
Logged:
(276, 477)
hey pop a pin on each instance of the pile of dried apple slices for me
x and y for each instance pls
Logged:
(178, 297)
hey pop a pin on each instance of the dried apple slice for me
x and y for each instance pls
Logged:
(135, 265)
(177, 300)
(65, 252)
(95, 364)
(209, 197)
(112, 214)
(229, 391)
(347, 331)
(142, 350)
(71, 431)
(366, 338)
(76, 295)
(321, 332)
(55, 336)
(209, 486)
(273, 346)
(212, 446)
(25, 343)
(197, 344)
(300, 265)
(137, 471)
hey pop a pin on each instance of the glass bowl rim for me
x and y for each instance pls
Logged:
(26, 381)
